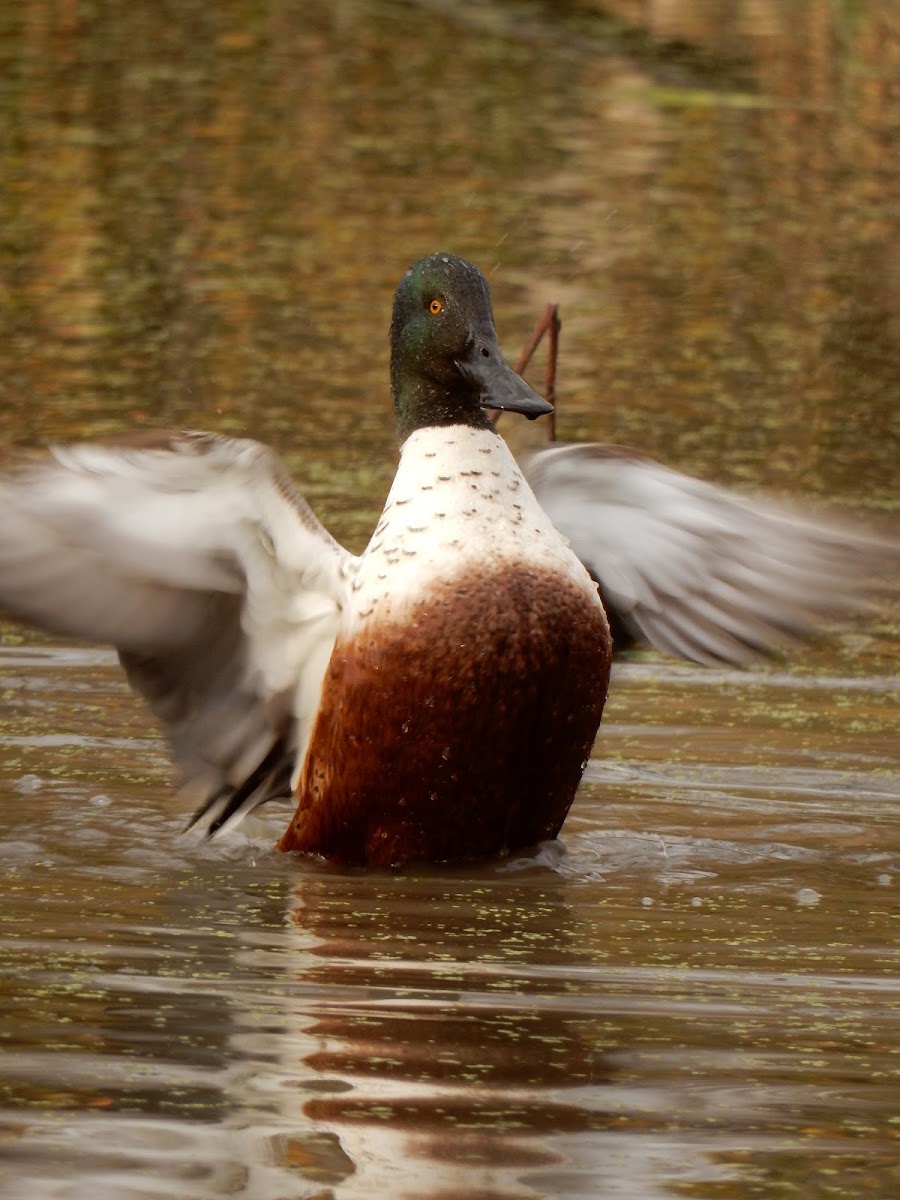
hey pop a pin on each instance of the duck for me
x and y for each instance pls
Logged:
(436, 697)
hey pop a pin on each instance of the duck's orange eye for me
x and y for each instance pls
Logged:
(435, 307)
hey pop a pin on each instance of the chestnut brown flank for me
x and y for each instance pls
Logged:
(461, 730)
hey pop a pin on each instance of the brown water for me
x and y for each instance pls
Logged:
(205, 209)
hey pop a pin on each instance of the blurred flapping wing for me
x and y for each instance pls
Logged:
(697, 571)
(195, 556)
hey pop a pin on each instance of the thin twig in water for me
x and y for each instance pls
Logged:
(549, 324)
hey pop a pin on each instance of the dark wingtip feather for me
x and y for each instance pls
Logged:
(227, 804)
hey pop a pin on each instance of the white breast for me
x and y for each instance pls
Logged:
(458, 502)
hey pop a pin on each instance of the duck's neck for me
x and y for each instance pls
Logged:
(420, 403)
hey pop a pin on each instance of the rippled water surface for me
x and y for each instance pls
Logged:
(695, 991)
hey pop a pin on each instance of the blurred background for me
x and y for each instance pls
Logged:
(205, 210)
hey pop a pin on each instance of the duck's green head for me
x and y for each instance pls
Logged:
(446, 365)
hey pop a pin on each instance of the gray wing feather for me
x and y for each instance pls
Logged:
(198, 560)
(695, 570)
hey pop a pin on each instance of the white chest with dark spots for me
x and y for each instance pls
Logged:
(459, 504)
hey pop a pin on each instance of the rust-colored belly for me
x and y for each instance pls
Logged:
(462, 730)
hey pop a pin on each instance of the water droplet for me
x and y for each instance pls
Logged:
(807, 897)
(28, 783)
(100, 800)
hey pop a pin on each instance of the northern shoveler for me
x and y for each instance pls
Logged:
(437, 696)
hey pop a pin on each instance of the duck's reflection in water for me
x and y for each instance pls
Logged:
(446, 1038)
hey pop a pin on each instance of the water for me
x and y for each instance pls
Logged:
(694, 993)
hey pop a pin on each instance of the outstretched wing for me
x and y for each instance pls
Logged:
(195, 556)
(692, 569)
